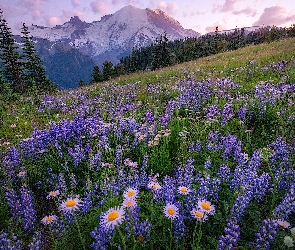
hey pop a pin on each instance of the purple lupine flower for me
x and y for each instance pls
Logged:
(28, 210)
(168, 190)
(212, 141)
(261, 185)
(118, 159)
(242, 112)
(266, 235)
(142, 231)
(208, 164)
(78, 153)
(224, 173)
(102, 236)
(195, 147)
(164, 120)
(179, 227)
(149, 117)
(73, 181)
(7, 243)
(11, 163)
(239, 206)
(95, 161)
(287, 205)
(212, 112)
(231, 237)
(61, 183)
(226, 114)
(13, 202)
(214, 190)
(37, 241)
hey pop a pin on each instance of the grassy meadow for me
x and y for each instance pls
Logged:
(194, 156)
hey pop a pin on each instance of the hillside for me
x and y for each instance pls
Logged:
(198, 155)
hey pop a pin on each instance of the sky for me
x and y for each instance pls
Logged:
(200, 15)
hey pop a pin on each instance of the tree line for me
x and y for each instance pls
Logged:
(21, 71)
(164, 53)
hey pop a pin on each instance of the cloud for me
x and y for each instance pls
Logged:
(99, 7)
(75, 3)
(212, 28)
(228, 6)
(125, 2)
(192, 13)
(248, 11)
(275, 15)
(51, 21)
(169, 8)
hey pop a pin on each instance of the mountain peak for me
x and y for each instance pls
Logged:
(75, 19)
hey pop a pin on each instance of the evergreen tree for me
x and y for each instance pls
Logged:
(35, 74)
(108, 70)
(96, 75)
(11, 63)
(161, 54)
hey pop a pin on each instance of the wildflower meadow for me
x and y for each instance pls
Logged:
(194, 156)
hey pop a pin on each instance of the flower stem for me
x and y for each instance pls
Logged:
(53, 239)
(122, 238)
(79, 232)
(171, 236)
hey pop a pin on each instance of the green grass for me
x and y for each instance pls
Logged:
(110, 116)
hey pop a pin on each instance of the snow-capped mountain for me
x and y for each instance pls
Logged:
(114, 35)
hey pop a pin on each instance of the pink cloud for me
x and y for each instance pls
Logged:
(247, 11)
(125, 2)
(275, 15)
(51, 21)
(228, 6)
(99, 7)
(75, 3)
(169, 8)
(192, 13)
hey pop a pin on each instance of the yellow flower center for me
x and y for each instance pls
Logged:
(22, 173)
(205, 206)
(48, 219)
(283, 224)
(71, 203)
(129, 203)
(53, 193)
(199, 214)
(183, 189)
(113, 215)
(170, 211)
(130, 193)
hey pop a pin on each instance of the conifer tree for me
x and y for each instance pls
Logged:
(11, 63)
(96, 75)
(108, 70)
(35, 74)
(161, 54)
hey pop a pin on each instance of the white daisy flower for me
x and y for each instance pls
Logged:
(129, 202)
(284, 224)
(113, 217)
(130, 193)
(48, 219)
(53, 194)
(183, 190)
(71, 205)
(206, 206)
(154, 185)
(199, 214)
(171, 211)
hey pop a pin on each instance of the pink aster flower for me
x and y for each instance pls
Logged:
(71, 205)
